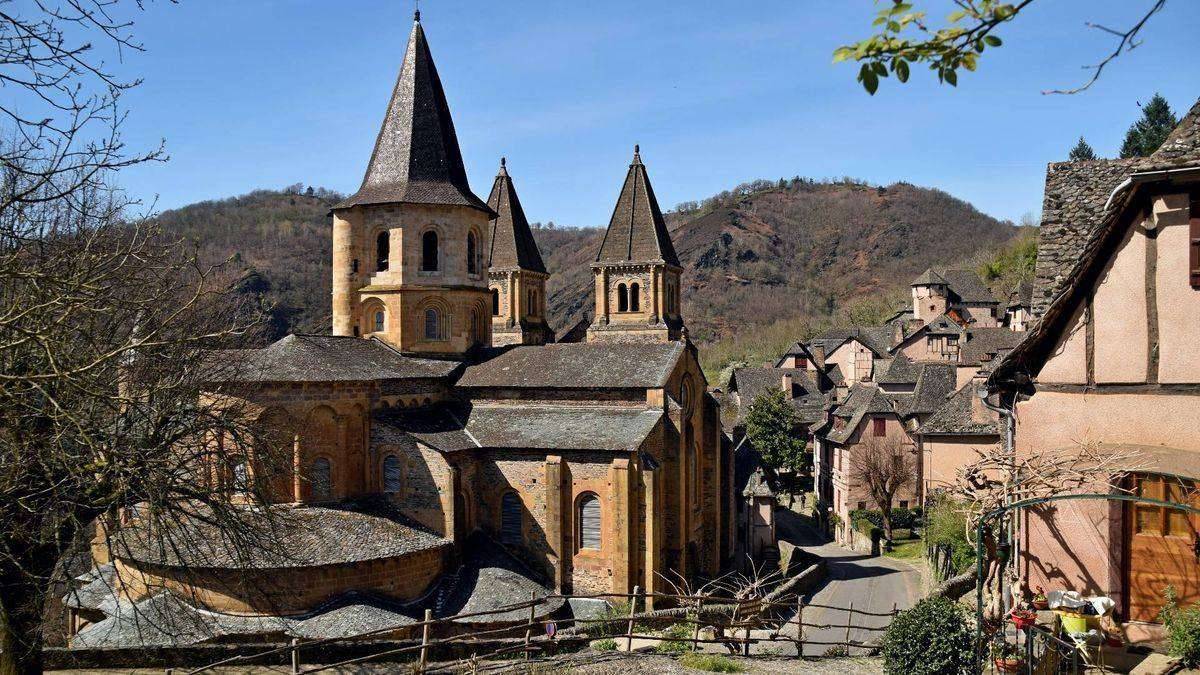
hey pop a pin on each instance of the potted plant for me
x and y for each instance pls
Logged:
(1039, 599)
(1006, 657)
(1023, 618)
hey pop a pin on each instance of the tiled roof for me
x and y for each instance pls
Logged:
(97, 592)
(578, 365)
(1022, 295)
(898, 370)
(416, 158)
(934, 384)
(491, 578)
(324, 358)
(1076, 193)
(876, 338)
(982, 344)
(966, 284)
(955, 417)
(637, 231)
(513, 245)
(535, 427)
(1076, 224)
(283, 537)
(808, 400)
(863, 400)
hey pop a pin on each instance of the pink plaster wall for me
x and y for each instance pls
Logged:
(1068, 363)
(1178, 302)
(1120, 310)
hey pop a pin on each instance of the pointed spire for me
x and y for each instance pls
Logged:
(513, 245)
(416, 157)
(637, 232)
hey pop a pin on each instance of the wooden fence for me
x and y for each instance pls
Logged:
(737, 624)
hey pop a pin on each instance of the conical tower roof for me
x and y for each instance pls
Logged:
(513, 244)
(637, 232)
(416, 158)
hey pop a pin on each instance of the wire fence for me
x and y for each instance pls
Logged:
(736, 624)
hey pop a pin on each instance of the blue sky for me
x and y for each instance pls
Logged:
(265, 93)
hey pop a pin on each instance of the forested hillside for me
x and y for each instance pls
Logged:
(764, 263)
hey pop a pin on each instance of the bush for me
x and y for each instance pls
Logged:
(1183, 629)
(946, 525)
(713, 663)
(615, 620)
(673, 638)
(901, 518)
(605, 645)
(934, 637)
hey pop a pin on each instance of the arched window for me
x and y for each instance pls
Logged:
(622, 298)
(241, 477)
(472, 256)
(510, 519)
(383, 247)
(429, 252)
(474, 326)
(635, 298)
(589, 522)
(433, 325)
(379, 320)
(322, 479)
(391, 474)
(495, 302)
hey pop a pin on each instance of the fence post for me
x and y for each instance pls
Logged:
(425, 640)
(849, 622)
(532, 615)
(799, 626)
(295, 656)
(696, 628)
(632, 610)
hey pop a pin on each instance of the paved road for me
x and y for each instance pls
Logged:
(872, 584)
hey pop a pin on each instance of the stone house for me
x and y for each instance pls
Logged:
(1111, 362)
(438, 448)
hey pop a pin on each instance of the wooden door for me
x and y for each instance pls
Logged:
(1162, 546)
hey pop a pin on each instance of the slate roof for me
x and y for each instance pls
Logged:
(808, 400)
(534, 427)
(955, 417)
(898, 370)
(637, 231)
(416, 158)
(984, 343)
(284, 537)
(324, 358)
(876, 338)
(863, 399)
(935, 382)
(165, 620)
(97, 592)
(513, 245)
(1022, 295)
(491, 578)
(578, 365)
(1078, 219)
(966, 284)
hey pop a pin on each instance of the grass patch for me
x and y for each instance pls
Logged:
(713, 663)
(911, 549)
(605, 645)
(673, 638)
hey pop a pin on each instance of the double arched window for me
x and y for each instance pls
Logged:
(629, 298)
(383, 246)
(635, 298)
(472, 254)
(391, 474)
(429, 251)
(588, 517)
(622, 298)
(322, 479)
(510, 518)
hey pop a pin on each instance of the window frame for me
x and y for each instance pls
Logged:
(383, 475)
(328, 494)
(437, 252)
(581, 541)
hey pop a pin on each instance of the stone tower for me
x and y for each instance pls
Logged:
(516, 273)
(409, 247)
(637, 272)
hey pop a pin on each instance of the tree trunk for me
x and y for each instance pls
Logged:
(887, 522)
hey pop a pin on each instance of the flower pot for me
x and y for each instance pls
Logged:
(1010, 665)
(1023, 620)
(1073, 623)
(1041, 604)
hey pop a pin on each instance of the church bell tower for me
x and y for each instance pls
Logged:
(409, 247)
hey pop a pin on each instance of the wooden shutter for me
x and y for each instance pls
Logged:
(510, 519)
(589, 522)
(1194, 244)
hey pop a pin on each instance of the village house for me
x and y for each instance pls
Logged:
(440, 451)
(1111, 362)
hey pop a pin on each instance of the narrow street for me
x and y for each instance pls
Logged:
(872, 584)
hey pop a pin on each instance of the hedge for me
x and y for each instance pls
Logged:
(901, 518)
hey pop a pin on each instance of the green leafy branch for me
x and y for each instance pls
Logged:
(905, 38)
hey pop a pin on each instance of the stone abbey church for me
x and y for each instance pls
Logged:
(506, 463)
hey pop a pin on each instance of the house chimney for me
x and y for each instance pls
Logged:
(786, 384)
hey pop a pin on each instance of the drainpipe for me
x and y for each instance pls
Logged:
(1009, 421)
